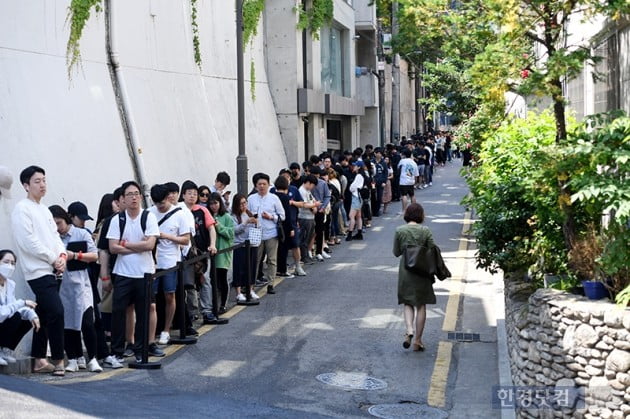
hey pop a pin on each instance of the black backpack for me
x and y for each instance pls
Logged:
(122, 220)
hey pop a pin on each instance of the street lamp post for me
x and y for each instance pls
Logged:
(241, 160)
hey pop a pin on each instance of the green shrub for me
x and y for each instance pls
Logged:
(514, 195)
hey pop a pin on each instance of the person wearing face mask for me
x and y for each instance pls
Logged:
(16, 316)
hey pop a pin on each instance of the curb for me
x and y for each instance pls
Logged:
(503, 358)
(21, 367)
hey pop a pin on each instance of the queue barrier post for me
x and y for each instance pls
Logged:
(248, 272)
(181, 309)
(144, 363)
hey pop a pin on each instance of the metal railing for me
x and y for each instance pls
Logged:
(181, 269)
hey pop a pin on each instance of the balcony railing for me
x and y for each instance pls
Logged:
(364, 15)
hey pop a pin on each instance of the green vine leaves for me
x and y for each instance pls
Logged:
(252, 10)
(318, 15)
(78, 15)
(195, 32)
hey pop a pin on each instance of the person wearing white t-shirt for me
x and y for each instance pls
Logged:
(174, 233)
(42, 256)
(133, 247)
(408, 176)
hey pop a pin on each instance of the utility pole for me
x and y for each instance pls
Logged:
(241, 160)
(416, 85)
(381, 85)
(395, 128)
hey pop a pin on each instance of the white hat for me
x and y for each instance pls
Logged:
(6, 180)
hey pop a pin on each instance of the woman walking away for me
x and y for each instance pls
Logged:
(414, 290)
(225, 237)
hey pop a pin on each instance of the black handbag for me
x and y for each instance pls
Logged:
(421, 260)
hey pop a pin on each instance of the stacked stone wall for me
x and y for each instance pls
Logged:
(564, 340)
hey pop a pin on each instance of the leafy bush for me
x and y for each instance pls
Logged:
(600, 157)
(514, 197)
(526, 183)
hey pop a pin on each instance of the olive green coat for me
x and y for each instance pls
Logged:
(413, 289)
(225, 239)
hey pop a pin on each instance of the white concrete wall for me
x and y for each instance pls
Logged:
(186, 119)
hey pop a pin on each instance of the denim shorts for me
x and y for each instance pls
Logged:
(168, 281)
(357, 203)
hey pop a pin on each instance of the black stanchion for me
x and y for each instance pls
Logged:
(181, 309)
(144, 363)
(248, 271)
(215, 294)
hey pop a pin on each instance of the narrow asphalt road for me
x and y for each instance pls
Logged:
(341, 319)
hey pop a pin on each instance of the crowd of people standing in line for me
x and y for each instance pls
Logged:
(89, 286)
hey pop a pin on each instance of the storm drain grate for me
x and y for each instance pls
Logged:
(352, 381)
(464, 337)
(406, 410)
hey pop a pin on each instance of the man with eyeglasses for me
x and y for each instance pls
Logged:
(133, 246)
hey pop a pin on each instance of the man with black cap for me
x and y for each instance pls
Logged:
(78, 213)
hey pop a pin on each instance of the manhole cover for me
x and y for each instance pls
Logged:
(352, 381)
(406, 410)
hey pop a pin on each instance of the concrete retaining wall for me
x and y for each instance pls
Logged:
(560, 339)
(186, 118)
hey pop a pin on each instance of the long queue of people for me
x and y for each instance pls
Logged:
(89, 286)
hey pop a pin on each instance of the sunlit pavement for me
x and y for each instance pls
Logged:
(328, 344)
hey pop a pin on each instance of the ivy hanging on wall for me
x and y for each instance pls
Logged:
(195, 32)
(313, 18)
(252, 10)
(78, 15)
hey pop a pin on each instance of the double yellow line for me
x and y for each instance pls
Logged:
(439, 378)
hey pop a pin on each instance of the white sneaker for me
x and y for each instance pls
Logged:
(320, 258)
(254, 296)
(240, 298)
(93, 366)
(325, 255)
(113, 362)
(81, 363)
(7, 354)
(299, 271)
(164, 338)
(73, 365)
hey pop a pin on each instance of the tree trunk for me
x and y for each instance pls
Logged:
(558, 112)
(568, 225)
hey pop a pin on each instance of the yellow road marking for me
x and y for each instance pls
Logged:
(452, 306)
(439, 378)
(169, 350)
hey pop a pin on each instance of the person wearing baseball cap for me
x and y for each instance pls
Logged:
(6, 180)
(78, 213)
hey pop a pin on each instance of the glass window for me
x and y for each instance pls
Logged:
(332, 61)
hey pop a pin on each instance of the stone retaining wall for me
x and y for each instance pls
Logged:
(560, 339)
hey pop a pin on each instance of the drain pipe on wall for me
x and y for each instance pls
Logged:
(122, 100)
